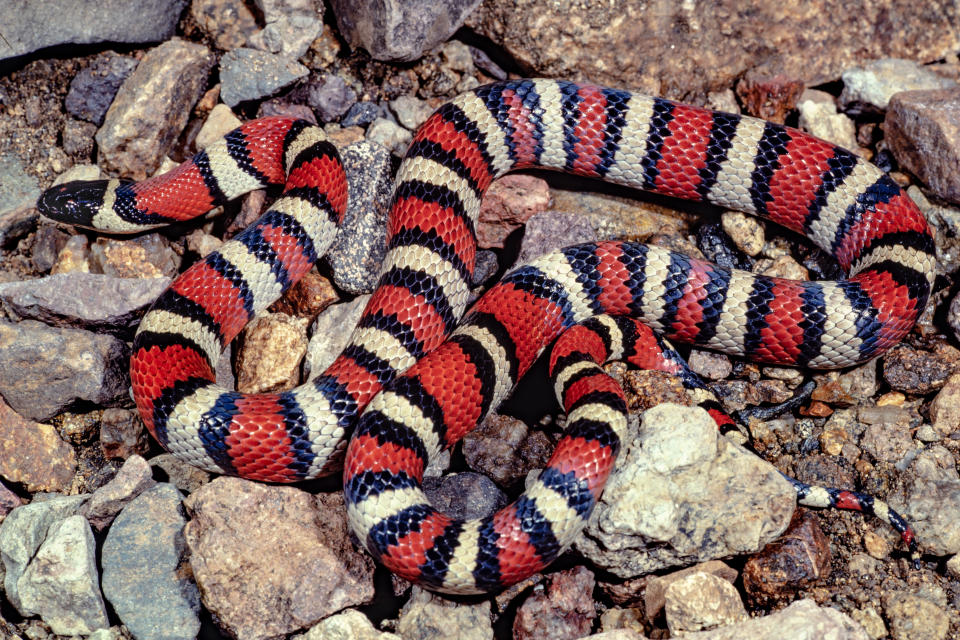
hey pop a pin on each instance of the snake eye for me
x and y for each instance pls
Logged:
(73, 202)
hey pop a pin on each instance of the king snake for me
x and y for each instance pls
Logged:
(418, 374)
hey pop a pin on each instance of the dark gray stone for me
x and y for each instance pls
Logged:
(358, 251)
(361, 114)
(17, 187)
(400, 29)
(143, 576)
(29, 26)
(92, 90)
(91, 301)
(465, 495)
(331, 97)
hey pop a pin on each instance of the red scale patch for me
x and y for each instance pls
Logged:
(615, 295)
(366, 454)
(412, 213)
(590, 130)
(690, 305)
(793, 186)
(684, 152)
(578, 339)
(524, 142)
(217, 295)
(899, 214)
(411, 550)
(897, 311)
(446, 134)
(598, 382)
(589, 460)
(517, 557)
(180, 194)
(156, 369)
(412, 311)
(782, 337)
(264, 139)
(258, 445)
(325, 173)
(288, 250)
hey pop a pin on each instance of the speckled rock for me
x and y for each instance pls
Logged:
(307, 298)
(876, 82)
(273, 347)
(61, 582)
(682, 494)
(264, 576)
(147, 256)
(18, 189)
(745, 231)
(426, 616)
(820, 118)
(330, 97)
(93, 89)
(358, 251)
(635, 43)
(922, 129)
(399, 29)
(702, 601)
(913, 617)
(562, 608)
(144, 573)
(229, 23)
(907, 369)
(654, 593)
(411, 111)
(766, 93)
(220, 121)
(464, 495)
(92, 301)
(43, 369)
(249, 74)
(945, 408)
(122, 434)
(33, 454)
(932, 501)
(802, 620)
(152, 107)
(389, 134)
(290, 26)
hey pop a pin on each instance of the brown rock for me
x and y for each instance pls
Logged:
(134, 478)
(269, 359)
(510, 201)
(646, 389)
(122, 434)
(709, 364)
(8, 501)
(307, 298)
(631, 42)
(147, 256)
(913, 371)
(846, 388)
(505, 449)
(33, 454)
(798, 558)
(769, 96)
(264, 576)
(152, 107)
(563, 609)
(923, 131)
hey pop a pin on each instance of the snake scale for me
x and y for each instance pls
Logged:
(418, 373)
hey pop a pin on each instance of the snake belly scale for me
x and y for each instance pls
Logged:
(418, 374)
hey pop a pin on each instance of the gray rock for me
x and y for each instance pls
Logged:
(553, 230)
(349, 625)
(388, 133)
(61, 582)
(330, 97)
(465, 495)
(152, 107)
(485, 267)
(288, 35)
(143, 574)
(249, 74)
(683, 494)
(23, 531)
(914, 617)
(134, 478)
(932, 503)
(701, 601)
(431, 617)
(91, 301)
(875, 83)
(17, 187)
(399, 29)
(358, 251)
(92, 90)
(43, 369)
(361, 114)
(411, 111)
(29, 26)
(329, 337)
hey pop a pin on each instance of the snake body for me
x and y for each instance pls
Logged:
(425, 373)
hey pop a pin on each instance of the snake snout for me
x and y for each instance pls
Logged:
(73, 202)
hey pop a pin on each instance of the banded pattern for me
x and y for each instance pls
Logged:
(845, 205)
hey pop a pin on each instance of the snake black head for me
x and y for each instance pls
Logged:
(74, 202)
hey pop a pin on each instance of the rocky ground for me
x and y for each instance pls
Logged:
(104, 535)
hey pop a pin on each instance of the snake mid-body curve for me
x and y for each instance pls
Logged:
(425, 373)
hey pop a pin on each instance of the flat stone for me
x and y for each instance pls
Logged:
(34, 454)
(874, 83)
(145, 576)
(427, 616)
(35, 25)
(349, 625)
(133, 478)
(44, 369)
(91, 301)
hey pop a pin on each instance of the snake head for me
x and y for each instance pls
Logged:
(74, 202)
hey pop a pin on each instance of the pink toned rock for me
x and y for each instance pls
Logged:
(270, 560)
(33, 454)
(510, 201)
(564, 609)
